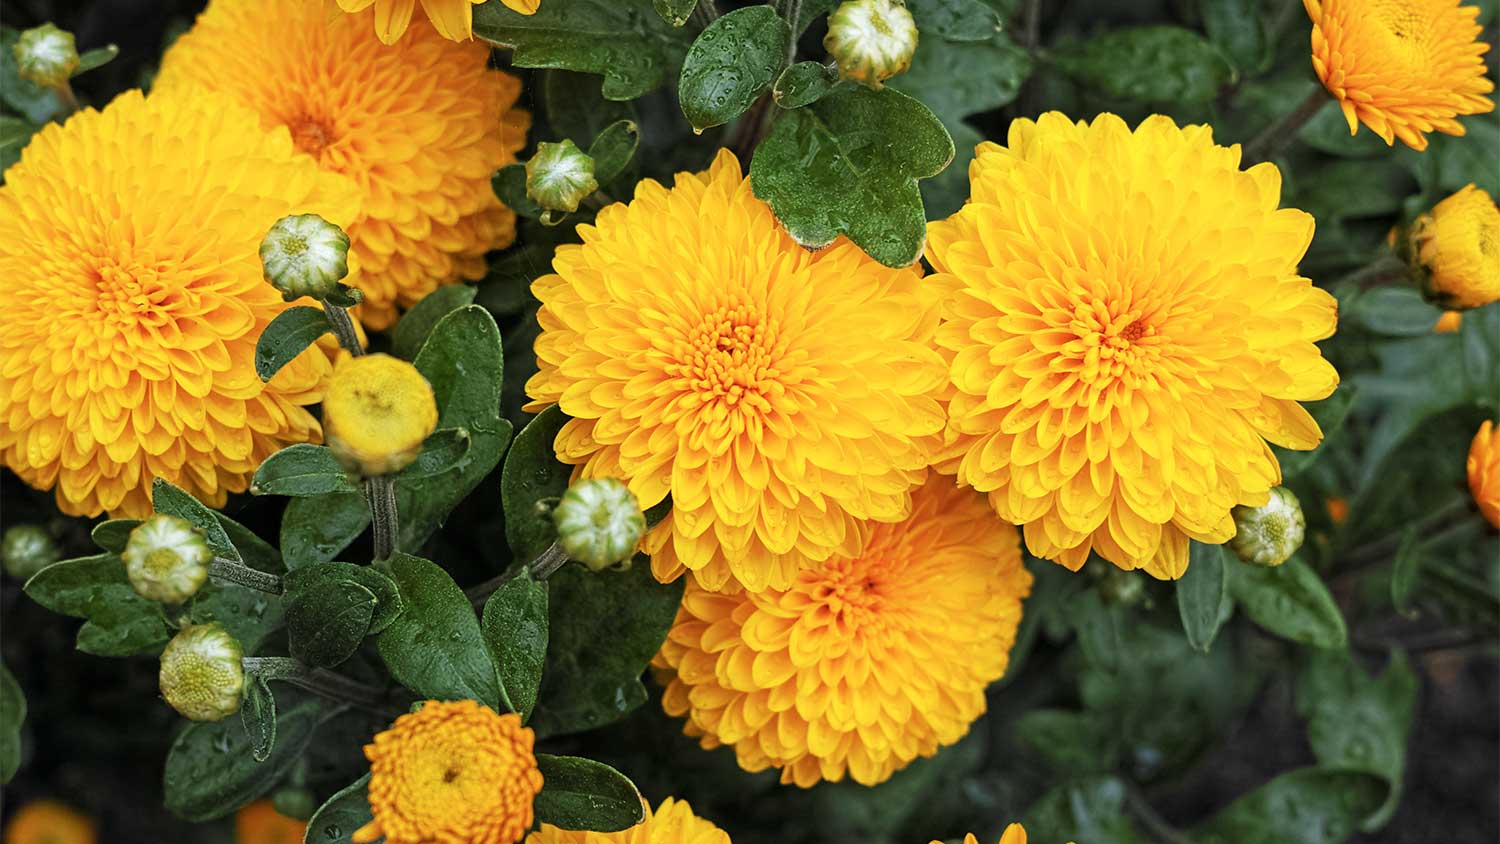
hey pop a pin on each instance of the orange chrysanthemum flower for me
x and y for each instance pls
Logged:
(1456, 249)
(260, 823)
(865, 663)
(1126, 327)
(673, 822)
(49, 822)
(453, 19)
(783, 399)
(451, 771)
(1401, 67)
(1484, 472)
(420, 125)
(134, 302)
(1014, 834)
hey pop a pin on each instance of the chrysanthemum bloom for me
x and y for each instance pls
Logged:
(1014, 834)
(673, 822)
(420, 125)
(784, 399)
(134, 301)
(1401, 67)
(865, 663)
(1484, 472)
(453, 19)
(378, 410)
(1126, 328)
(260, 823)
(49, 822)
(451, 771)
(1456, 249)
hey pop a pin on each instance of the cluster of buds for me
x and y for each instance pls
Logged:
(871, 40)
(599, 522)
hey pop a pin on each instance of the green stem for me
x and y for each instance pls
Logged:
(343, 328)
(1270, 142)
(1379, 272)
(544, 566)
(380, 494)
(1380, 549)
(242, 575)
(69, 100)
(329, 684)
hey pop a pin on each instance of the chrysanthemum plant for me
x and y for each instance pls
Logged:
(965, 409)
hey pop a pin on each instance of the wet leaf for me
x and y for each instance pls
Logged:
(584, 794)
(732, 63)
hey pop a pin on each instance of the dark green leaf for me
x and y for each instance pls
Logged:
(1090, 810)
(442, 451)
(576, 107)
(1343, 190)
(1479, 342)
(174, 501)
(435, 648)
(1240, 29)
(14, 135)
(211, 769)
(254, 551)
(1328, 132)
(1200, 592)
(675, 12)
(1459, 161)
(509, 183)
(288, 335)
(1068, 740)
(849, 164)
(1098, 625)
(112, 535)
(301, 470)
(802, 84)
(97, 57)
(326, 618)
(1291, 601)
(1407, 569)
(336, 821)
(315, 530)
(532, 473)
(387, 595)
(344, 296)
(1158, 64)
(12, 716)
(583, 794)
(954, 20)
(732, 63)
(120, 622)
(1306, 806)
(248, 614)
(411, 332)
(613, 148)
(35, 103)
(515, 629)
(812, 9)
(258, 714)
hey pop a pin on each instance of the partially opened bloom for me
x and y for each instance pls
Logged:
(419, 125)
(784, 399)
(134, 300)
(451, 772)
(1126, 329)
(865, 662)
(1455, 248)
(673, 822)
(454, 19)
(1403, 68)
(1483, 468)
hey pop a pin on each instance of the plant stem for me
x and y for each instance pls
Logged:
(69, 100)
(242, 575)
(1377, 551)
(380, 494)
(329, 684)
(543, 567)
(1031, 21)
(1275, 137)
(343, 328)
(1381, 271)
(705, 13)
(791, 10)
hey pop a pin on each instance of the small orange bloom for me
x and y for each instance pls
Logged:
(260, 823)
(49, 822)
(1449, 322)
(1484, 472)
(1338, 509)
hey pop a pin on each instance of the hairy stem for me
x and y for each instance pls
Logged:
(343, 328)
(240, 574)
(543, 567)
(329, 684)
(705, 13)
(380, 494)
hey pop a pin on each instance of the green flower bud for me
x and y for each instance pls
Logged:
(46, 56)
(305, 255)
(872, 40)
(201, 673)
(166, 559)
(1121, 588)
(27, 549)
(599, 522)
(1271, 534)
(560, 176)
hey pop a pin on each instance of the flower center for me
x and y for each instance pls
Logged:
(1114, 343)
(730, 358)
(1407, 35)
(853, 592)
(311, 135)
(129, 289)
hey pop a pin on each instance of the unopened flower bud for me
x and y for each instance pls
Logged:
(1453, 251)
(46, 56)
(377, 411)
(27, 549)
(560, 176)
(166, 559)
(872, 40)
(305, 255)
(201, 673)
(1270, 534)
(1121, 588)
(599, 522)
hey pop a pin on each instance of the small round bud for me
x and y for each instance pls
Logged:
(305, 255)
(201, 673)
(166, 559)
(376, 413)
(1454, 251)
(27, 549)
(599, 522)
(295, 803)
(1270, 534)
(560, 176)
(1121, 588)
(872, 40)
(46, 56)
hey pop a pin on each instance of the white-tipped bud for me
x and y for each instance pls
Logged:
(599, 522)
(560, 176)
(1269, 535)
(872, 40)
(202, 675)
(27, 549)
(166, 559)
(305, 255)
(46, 56)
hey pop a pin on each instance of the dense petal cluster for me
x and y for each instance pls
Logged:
(134, 300)
(785, 400)
(1126, 329)
(1404, 68)
(1457, 249)
(1483, 468)
(673, 822)
(420, 125)
(449, 772)
(864, 663)
(453, 19)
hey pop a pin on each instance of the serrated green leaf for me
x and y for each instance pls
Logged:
(258, 717)
(435, 647)
(341, 815)
(301, 470)
(515, 629)
(731, 64)
(1156, 64)
(1200, 592)
(613, 148)
(531, 474)
(1291, 601)
(1306, 806)
(211, 769)
(802, 84)
(315, 530)
(416, 324)
(288, 336)
(119, 622)
(12, 717)
(586, 795)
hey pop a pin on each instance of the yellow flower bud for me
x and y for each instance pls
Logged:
(872, 40)
(201, 673)
(1483, 469)
(27, 549)
(1455, 250)
(305, 255)
(599, 522)
(46, 56)
(376, 413)
(166, 559)
(1270, 534)
(560, 176)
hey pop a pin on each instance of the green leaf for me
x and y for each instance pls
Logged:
(675, 12)
(435, 648)
(14, 135)
(509, 183)
(258, 717)
(625, 40)
(954, 20)
(12, 716)
(576, 107)
(849, 164)
(1240, 29)
(731, 64)
(1407, 569)
(326, 617)
(604, 629)
(802, 84)
(1090, 810)
(1291, 601)
(613, 148)
(112, 535)
(1305, 806)
(1068, 740)
(1201, 591)
(254, 551)
(1158, 64)
(442, 451)
(1479, 341)
(416, 324)
(249, 615)
(288, 335)
(515, 629)
(1327, 131)
(211, 769)
(532, 473)
(1342, 190)
(301, 470)
(583, 794)
(120, 622)
(35, 103)
(174, 501)
(315, 530)
(336, 820)
(1099, 626)
(1470, 158)
(97, 57)
(388, 605)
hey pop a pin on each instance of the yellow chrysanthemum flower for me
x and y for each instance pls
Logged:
(673, 822)
(783, 399)
(49, 822)
(864, 663)
(1401, 67)
(449, 772)
(1014, 834)
(1483, 468)
(134, 300)
(453, 19)
(1126, 328)
(420, 125)
(1456, 247)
